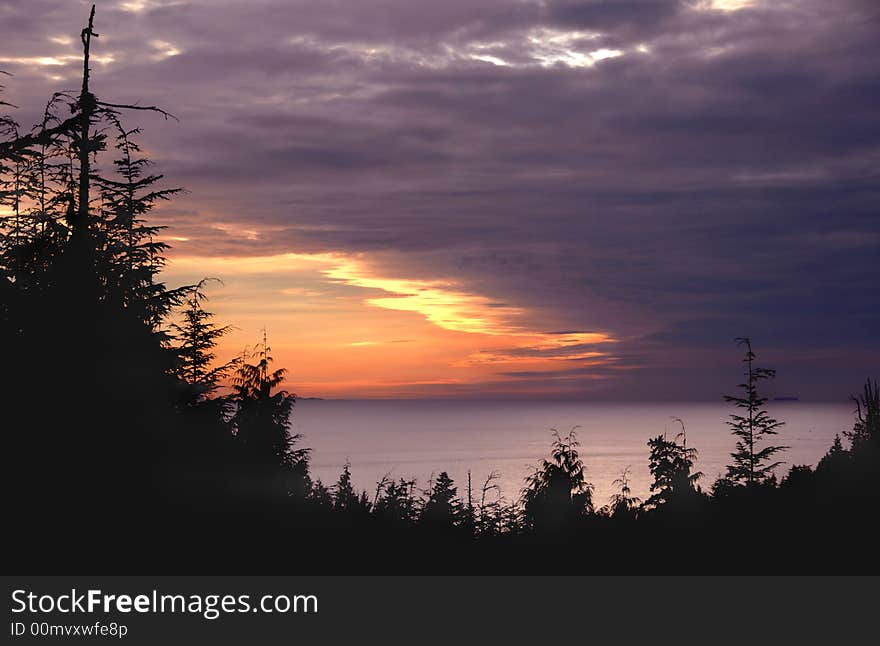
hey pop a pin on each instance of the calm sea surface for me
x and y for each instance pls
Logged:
(415, 439)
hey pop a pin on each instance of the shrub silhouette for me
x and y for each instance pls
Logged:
(622, 505)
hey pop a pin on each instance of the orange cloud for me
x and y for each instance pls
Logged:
(345, 329)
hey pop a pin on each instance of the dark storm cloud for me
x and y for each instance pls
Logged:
(632, 17)
(718, 178)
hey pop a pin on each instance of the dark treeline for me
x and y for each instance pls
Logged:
(130, 445)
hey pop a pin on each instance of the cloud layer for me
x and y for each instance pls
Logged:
(671, 174)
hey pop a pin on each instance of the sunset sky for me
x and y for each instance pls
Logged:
(506, 198)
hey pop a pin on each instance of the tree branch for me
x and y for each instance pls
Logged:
(151, 108)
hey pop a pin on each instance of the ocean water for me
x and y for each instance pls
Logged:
(418, 439)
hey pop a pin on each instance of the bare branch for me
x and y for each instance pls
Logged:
(150, 108)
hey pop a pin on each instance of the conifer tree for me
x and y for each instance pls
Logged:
(558, 493)
(63, 153)
(48, 170)
(208, 434)
(835, 460)
(622, 504)
(132, 254)
(671, 464)
(864, 452)
(395, 502)
(112, 368)
(262, 422)
(442, 509)
(344, 497)
(321, 496)
(752, 463)
(866, 429)
(197, 336)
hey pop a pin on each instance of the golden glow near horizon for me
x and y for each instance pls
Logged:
(345, 329)
(437, 301)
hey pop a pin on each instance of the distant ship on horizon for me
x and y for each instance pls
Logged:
(786, 399)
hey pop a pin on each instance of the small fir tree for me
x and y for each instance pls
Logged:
(442, 509)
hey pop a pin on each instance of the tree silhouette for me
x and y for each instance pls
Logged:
(261, 423)
(622, 505)
(104, 435)
(866, 430)
(489, 510)
(395, 502)
(557, 493)
(671, 463)
(835, 460)
(442, 510)
(207, 433)
(345, 498)
(196, 337)
(751, 462)
(321, 496)
(468, 519)
(8, 292)
(13, 181)
(133, 256)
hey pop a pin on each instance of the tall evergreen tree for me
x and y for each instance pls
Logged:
(752, 463)
(262, 421)
(112, 380)
(131, 253)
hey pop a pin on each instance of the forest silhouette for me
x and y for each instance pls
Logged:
(130, 446)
